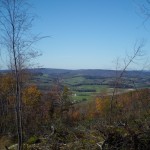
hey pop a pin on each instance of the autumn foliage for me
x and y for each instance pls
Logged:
(43, 109)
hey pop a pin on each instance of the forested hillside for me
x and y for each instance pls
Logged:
(73, 108)
(53, 120)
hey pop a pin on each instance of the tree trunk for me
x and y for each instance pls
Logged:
(18, 111)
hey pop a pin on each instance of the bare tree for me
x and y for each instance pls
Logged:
(137, 52)
(16, 39)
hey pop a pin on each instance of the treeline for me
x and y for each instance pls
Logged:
(85, 90)
(123, 123)
(111, 85)
(38, 108)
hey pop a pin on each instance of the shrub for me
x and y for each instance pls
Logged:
(33, 140)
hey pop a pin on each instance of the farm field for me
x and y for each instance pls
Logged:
(86, 86)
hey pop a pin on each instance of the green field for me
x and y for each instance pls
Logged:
(84, 88)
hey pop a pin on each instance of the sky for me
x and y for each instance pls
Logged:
(88, 34)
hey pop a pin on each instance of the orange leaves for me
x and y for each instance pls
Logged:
(102, 105)
(31, 95)
(98, 104)
(124, 105)
(75, 116)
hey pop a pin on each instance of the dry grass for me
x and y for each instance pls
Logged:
(5, 141)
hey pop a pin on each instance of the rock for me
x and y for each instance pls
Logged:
(13, 147)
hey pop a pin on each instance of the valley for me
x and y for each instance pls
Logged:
(86, 84)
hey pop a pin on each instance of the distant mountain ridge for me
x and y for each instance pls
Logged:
(90, 72)
(86, 72)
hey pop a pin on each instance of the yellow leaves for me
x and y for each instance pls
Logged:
(6, 85)
(98, 104)
(7, 89)
(31, 95)
(66, 92)
(102, 104)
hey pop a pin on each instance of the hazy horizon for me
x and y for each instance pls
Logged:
(80, 69)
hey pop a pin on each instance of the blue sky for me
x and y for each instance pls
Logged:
(88, 34)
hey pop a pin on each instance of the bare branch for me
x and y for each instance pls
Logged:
(137, 52)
